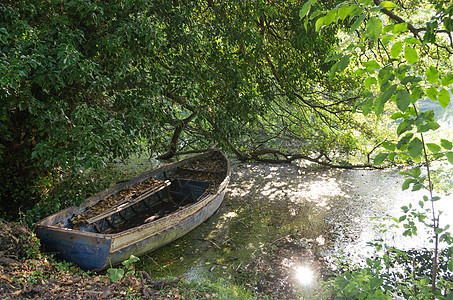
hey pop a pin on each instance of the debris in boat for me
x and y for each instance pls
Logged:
(123, 196)
(152, 218)
(208, 170)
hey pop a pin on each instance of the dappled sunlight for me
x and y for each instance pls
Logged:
(280, 225)
(223, 222)
(320, 240)
(274, 190)
(229, 215)
(242, 189)
(325, 188)
(272, 184)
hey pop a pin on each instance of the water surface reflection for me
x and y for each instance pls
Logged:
(280, 223)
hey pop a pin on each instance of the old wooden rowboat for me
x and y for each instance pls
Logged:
(138, 215)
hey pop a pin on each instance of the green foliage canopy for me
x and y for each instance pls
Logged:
(85, 82)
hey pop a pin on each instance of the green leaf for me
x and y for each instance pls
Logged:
(357, 11)
(444, 97)
(430, 36)
(369, 81)
(407, 183)
(371, 66)
(115, 274)
(416, 94)
(416, 187)
(413, 41)
(415, 147)
(388, 5)
(432, 75)
(344, 62)
(379, 105)
(367, 106)
(339, 66)
(358, 22)
(374, 28)
(319, 23)
(400, 27)
(306, 23)
(388, 28)
(410, 79)
(403, 99)
(432, 93)
(396, 116)
(380, 102)
(410, 54)
(447, 80)
(375, 282)
(392, 156)
(132, 259)
(396, 49)
(389, 146)
(346, 11)
(407, 232)
(446, 144)
(404, 126)
(389, 92)
(387, 38)
(416, 172)
(379, 159)
(333, 70)
(385, 77)
(305, 9)
(433, 147)
(330, 17)
(449, 156)
(428, 126)
(402, 70)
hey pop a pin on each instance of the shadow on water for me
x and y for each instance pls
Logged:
(279, 224)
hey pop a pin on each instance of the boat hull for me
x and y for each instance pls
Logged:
(96, 251)
(167, 235)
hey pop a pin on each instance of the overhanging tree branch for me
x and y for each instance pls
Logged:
(176, 134)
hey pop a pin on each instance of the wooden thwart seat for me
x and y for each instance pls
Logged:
(125, 203)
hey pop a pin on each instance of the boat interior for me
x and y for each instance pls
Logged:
(168, 197)
(146, 202)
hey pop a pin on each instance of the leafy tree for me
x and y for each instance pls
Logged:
(86, 82)
(401, 63)
(71, 73)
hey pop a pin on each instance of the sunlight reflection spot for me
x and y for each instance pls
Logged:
(304, 275)
(231, 214)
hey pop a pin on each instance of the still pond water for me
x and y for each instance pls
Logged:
(278, 219)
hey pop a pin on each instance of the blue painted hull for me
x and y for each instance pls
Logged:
(88, 252)
(97, 251)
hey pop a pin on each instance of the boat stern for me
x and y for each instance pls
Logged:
(90, 252)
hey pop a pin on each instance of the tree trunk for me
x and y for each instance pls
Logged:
(176, 134)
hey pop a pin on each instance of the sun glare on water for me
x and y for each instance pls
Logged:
(304, 275)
